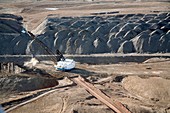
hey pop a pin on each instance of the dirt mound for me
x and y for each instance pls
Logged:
(141, 33)
(153, 88)
(13, 36)
(129, 33)
(20, 83)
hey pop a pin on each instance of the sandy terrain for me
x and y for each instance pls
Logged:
(133, 84)
(35, 12)
(141, 87)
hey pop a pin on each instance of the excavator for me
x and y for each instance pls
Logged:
(60, 62)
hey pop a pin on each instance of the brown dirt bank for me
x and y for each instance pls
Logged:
(142, 87)
(15, 84)
(123, 82)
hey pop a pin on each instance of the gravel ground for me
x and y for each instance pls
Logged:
(136, 85)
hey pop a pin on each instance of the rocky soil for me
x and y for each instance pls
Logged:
(140, 87)
(87, 27)
(14, 84)
(20, 83)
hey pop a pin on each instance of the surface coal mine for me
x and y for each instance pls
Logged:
(129, 33)
(84, 56)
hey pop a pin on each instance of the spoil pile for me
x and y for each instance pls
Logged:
(13, 39)
(153, 88)
(129, 33)
(23, 82)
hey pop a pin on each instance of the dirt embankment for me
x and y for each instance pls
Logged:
(106, 27)
(141, 87)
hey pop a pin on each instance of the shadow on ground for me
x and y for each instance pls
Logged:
(83, 72)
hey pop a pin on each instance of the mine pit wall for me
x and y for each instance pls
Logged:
(110, 59)
(113, 59)
(89, 59)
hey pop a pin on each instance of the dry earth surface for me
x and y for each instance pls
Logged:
(34, 12)
(141, 87)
